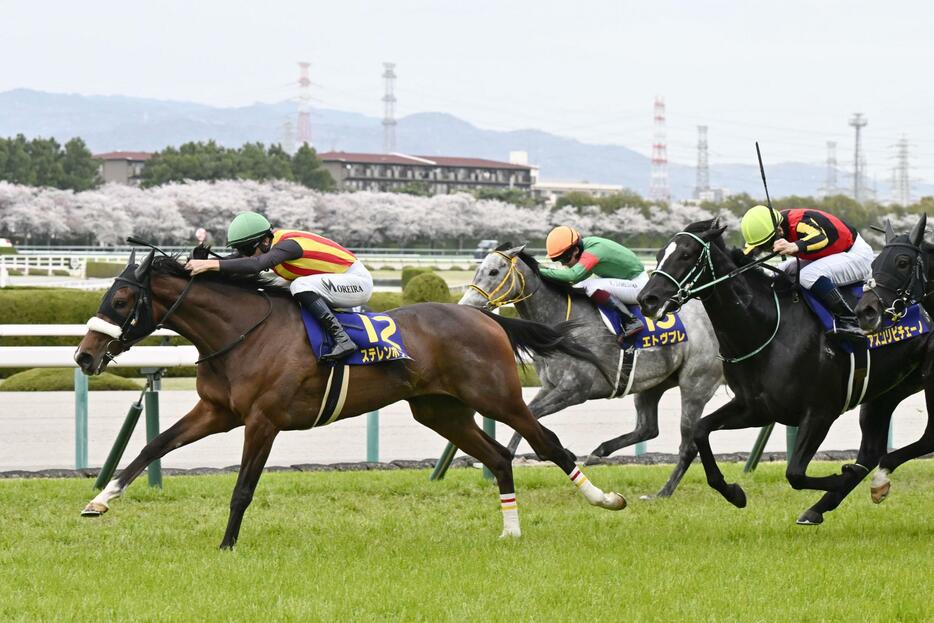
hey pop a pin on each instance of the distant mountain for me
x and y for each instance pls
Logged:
(112, 123)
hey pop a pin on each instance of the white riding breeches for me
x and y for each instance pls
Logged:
(341, 290)
(853, 266)
(626, 290)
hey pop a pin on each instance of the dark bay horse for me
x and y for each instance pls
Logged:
(267, 379)
(901, 276)
(778, 362)
(510, 275)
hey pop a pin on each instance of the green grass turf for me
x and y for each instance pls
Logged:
(374, 546)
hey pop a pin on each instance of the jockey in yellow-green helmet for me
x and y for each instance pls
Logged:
(830, 251)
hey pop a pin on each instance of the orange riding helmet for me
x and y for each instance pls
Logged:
(560, 240)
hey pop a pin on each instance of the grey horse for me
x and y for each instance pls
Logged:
(509, 275)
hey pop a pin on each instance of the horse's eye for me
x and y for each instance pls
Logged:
(685, 255)
(494, 272)
(119, 304)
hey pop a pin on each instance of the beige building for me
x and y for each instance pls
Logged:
(122, 167)
(439, 174)
(550, 192)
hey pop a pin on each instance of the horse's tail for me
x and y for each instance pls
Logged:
(527, 336)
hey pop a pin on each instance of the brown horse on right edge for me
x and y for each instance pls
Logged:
(257, 370)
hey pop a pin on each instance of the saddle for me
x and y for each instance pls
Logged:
(376, 335)
(665, 332)
(915, 322)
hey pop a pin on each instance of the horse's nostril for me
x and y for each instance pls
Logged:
(84, 360)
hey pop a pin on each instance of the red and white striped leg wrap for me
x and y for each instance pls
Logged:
(510, 508)
(592, 493)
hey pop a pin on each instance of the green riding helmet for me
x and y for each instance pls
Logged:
(247, 227)
(758, 226)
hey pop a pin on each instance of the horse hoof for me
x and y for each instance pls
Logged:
(510, 534)
(613, 501)
(810, 518)
(94, 509)
(880, 492)
(736, 496)
(592, 459)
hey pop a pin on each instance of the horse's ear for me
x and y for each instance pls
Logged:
(715, 231)
(513, 252)
(917, 234)
(201, 252)
(132, 260)
(140, 272)
(889, 231)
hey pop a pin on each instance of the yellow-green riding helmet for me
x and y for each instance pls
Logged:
(758, 226)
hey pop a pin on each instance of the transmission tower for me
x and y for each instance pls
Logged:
(702, 185)
(658, 189)
(901, 188)
(858, 122)
(304, 105)
(830, 181)
(389, 108)
(288, 137)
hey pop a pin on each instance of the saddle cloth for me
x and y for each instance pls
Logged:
(915, 322)
(665, 332)
(376, 335)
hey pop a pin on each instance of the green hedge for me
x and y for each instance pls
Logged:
(60, 306)
(7, 250)
(425, 288)
(63, 379)
(410, 272)
(102, 270)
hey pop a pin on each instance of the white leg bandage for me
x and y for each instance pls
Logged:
(510, 508)
(111, 491)
(590, 491)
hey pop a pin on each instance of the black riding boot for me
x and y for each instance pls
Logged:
(318, 308)
(630, 324)
(847, 327)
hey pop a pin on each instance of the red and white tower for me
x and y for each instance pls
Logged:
(658, 188)
(304, 106)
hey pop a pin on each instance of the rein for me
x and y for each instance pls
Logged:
(513, 277)
(687, 291)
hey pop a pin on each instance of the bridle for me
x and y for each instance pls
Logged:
(139, 323)
(686, 290)
(507, 284)
(913, 292)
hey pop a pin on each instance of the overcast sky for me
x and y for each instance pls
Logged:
(788, 73)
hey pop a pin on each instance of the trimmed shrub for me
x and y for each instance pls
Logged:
(381, 301)
(102, 270)
(426, 288)
(410, 272)
(7, 250)
(62, 380)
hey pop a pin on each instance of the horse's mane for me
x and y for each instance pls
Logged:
(532, 263)
(170, 265)
(763, 276)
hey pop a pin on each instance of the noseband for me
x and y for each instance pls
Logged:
(509, 282)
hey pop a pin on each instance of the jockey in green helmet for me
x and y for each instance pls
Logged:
(322, 273)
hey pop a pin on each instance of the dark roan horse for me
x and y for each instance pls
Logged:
(778, 362)
(901, 275)
(463, 360)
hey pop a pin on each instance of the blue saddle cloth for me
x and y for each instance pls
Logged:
(665, 332)
(376, 335)
(915, 322)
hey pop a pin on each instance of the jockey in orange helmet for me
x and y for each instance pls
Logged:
(621, 274)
